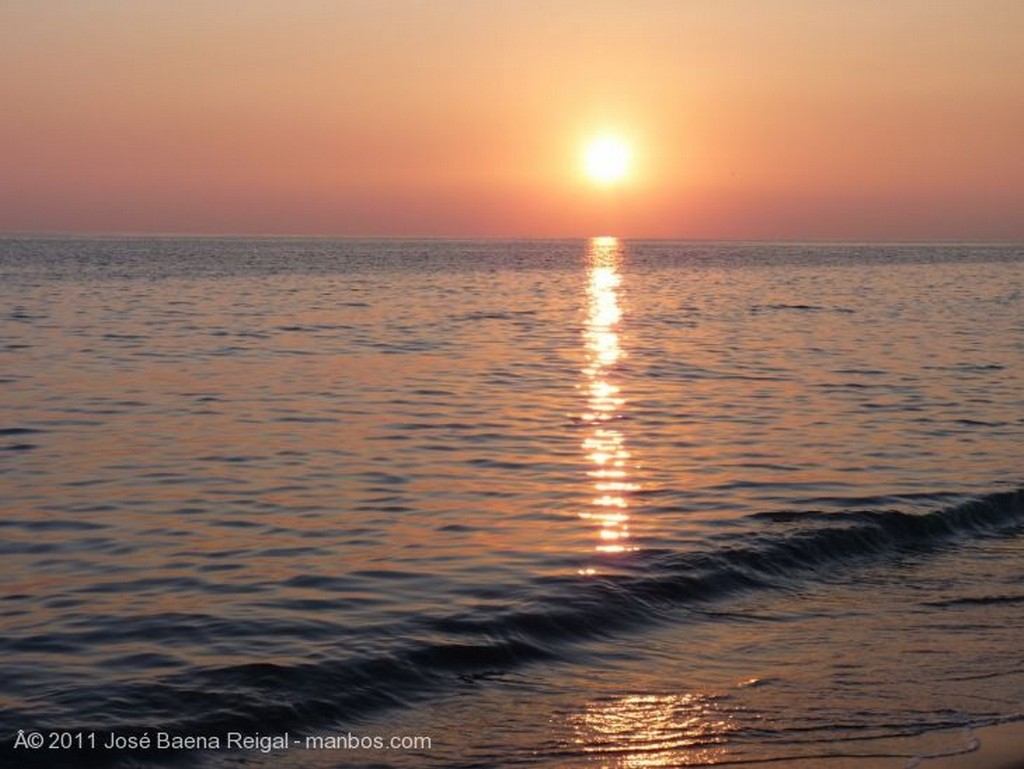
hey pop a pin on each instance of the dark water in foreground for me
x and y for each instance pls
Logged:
(556, 504)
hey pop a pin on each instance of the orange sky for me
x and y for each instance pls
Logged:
(748, 118)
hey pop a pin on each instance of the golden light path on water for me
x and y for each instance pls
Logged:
(633, 731)
(604, 445)
(643, 731)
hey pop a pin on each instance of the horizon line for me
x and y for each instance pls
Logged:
(58, 234)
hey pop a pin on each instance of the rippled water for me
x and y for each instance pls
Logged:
(574, 504)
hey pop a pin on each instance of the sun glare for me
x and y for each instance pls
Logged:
(607, 160)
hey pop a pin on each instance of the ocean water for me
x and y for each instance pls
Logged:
(514, 503)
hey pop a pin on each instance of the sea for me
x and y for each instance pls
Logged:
(617, 504)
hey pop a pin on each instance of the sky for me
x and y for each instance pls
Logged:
(745, 119)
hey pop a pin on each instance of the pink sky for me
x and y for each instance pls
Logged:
(747, 118)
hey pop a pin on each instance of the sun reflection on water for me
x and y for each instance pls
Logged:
(605, 445)
(652, 730)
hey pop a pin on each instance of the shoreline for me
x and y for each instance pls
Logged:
(999, 747)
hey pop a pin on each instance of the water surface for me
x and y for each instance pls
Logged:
(574, 504)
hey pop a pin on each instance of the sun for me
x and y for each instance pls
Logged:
(607, 160)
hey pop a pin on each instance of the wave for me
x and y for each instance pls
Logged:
(546, 623)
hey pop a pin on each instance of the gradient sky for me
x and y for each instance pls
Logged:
(880, 119)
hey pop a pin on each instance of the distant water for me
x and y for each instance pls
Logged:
(555, 504)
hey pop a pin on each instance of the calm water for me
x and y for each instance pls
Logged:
(556, 504)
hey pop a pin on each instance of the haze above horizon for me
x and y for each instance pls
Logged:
(803, 120)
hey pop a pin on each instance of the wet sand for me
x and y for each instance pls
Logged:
(995, 747)
(1000, 747)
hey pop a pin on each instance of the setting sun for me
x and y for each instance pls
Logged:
(607, 160)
